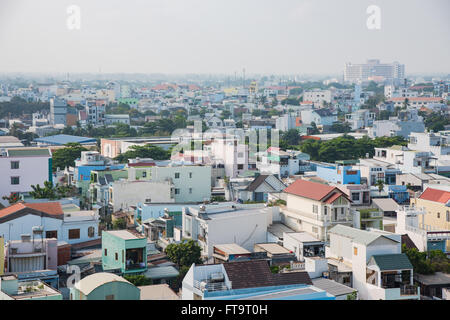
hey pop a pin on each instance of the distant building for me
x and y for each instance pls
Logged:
(11, 288)
(58, 111)
(355, 73)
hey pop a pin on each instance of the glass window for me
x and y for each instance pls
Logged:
(15, 180)
(177, 175)
(91, 232)
(74, 234)
(14, 164)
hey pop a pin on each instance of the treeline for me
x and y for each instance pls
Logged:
(347, 147)
(18, 107)
(146, 151)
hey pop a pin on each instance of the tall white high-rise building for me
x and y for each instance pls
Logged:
(58, 111)
(355, 73)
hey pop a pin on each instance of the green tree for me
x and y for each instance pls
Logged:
(65, 157)
(120, 224)
(184, 254)
(380, 185)
(289, 138)
(146, 151)
(138, 279)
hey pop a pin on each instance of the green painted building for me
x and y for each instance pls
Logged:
(104, 286)
(124, 251)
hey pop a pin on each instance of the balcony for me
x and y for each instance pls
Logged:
(408, 290)
(210, 286)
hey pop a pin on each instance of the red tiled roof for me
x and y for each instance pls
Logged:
(333, 197)
(309, 189)
(416, 99)
(51, 208)
(435, 195)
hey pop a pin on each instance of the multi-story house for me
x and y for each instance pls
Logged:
(66, 223)
(191, 183)
(342, 172)
(248, 280)
(95, 112)
(32, 253)
(435, 201)
(378, 268)
(360, 119)
(411, 221)
(89, 161)
(244, 225)
(318, 96)
(373, 170)
(124, 251)
(314, 207)
(22, 167)
(436, 143)
(232, 153)
(281, 163)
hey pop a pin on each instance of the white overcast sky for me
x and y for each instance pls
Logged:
(221, 36)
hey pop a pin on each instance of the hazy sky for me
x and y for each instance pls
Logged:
(221, 36)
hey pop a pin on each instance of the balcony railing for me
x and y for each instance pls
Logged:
(210, 286)
(408, 290)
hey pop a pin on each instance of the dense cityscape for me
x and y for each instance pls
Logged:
(239, 186)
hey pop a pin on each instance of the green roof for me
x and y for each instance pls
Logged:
(28, 152)
(387, 262)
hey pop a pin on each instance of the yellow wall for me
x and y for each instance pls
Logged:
(431, 217)
(2, 255)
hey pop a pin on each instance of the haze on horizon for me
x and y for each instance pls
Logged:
(222, 36)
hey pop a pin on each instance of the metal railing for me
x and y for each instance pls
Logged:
(408, 290)
(210, 286)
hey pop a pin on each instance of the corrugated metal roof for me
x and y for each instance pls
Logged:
(28, 152)
(161, 272)
(357, 235)
(332, 287)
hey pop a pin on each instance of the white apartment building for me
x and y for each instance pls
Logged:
(22, 167)
(379, 270)
(318, 96)
(244, 225)
(436, 143)
(123, 193)
(314, 207)
(232, 154)
(190, 183)
(390, 91)
(95, 113)
(360, 119)
(355, 73)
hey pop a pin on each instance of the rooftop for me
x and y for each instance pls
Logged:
(435, 195)
(359, 236)
(29, 152)
(51, 208)
(232, 248)
(332, 287)
(62, 139)
(125, 234)
(389, 262)
(158, 292)
(93, 281)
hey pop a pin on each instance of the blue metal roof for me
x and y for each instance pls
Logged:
(62, 139)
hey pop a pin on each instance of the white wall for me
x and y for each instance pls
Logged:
(32, 170)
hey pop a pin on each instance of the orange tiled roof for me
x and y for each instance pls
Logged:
(309, 189)
(435, 195)
(51, 208)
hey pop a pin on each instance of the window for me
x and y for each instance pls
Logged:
(355, 196)
(240, 154)
(315, 208)
(177, 175)
(240, 166)
(439, 215)
(109, 297)
(448, 216)
(325, 210)
(116, 255)
(15, 180)
(74, 234)
(91, 232)
(190, 190)
(355, 251)
(14, 164)
(51, 234)
(177, 191)
(106, 252)
(144, 174)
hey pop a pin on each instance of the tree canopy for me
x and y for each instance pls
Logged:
(146, 151)
(65, 157)
(347, 147)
